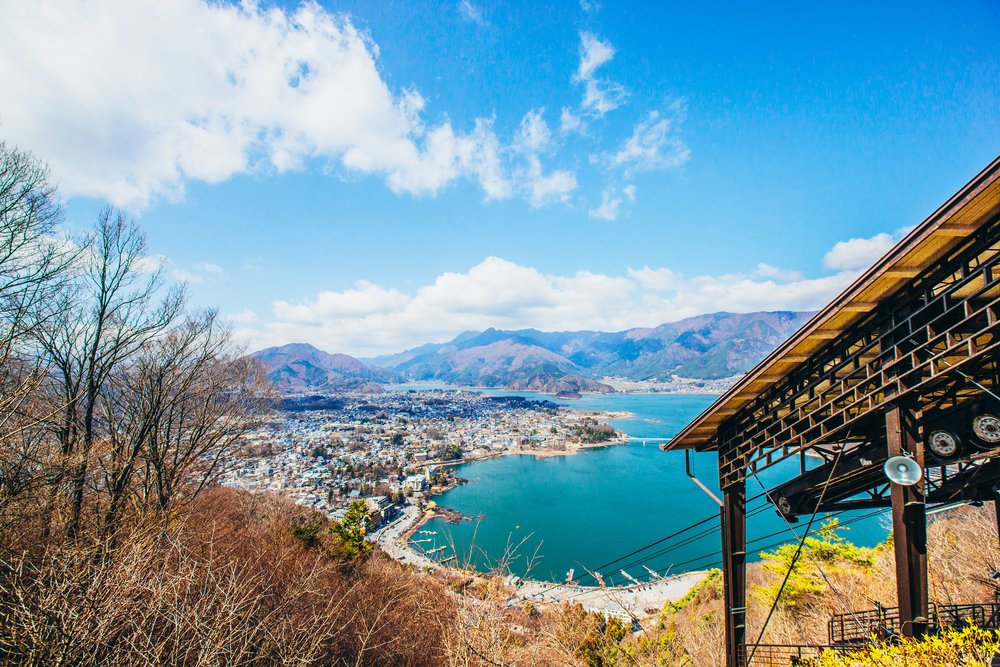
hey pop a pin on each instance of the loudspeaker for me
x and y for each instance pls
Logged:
(903, 470)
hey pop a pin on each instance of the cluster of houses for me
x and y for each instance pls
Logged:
(383, 447)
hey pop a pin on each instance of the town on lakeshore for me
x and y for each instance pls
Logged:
(395, 448)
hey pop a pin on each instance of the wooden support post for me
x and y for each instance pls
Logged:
(734, 574)
(909, 525)
(996, 509)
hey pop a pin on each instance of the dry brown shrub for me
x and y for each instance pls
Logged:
(224, 584)
(962, 551)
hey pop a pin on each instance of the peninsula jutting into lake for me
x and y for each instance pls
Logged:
(402, 449)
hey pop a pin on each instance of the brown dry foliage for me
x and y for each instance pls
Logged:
(226, 583)
(962, 550)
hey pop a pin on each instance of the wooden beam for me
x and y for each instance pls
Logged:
(901, 273)
(734, 572)
(769, 377)
(956, 230)
(909, 525)
(859, 307)
(826, 334)
(794, 358)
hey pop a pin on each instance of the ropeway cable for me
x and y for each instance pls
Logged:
(664, 539)
(673, 547)
(815, 562)
(715, 554)
(673, 535)
(590, 573)
(692, 539)
(779, 543)
(795, 557)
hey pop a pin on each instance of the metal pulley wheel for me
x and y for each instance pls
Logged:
(944, 444)
(987, 428)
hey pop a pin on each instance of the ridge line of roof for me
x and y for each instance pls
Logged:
(935, 220)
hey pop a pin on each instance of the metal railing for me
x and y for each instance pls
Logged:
(855, 630)
(882, 623)
(781, 655)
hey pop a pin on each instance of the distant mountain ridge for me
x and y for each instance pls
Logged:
(708, 347)
(303, 366)
(703, 347)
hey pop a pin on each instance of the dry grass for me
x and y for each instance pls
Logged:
(225, 584)
(962, 551)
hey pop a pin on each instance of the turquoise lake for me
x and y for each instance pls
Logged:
(582, 511)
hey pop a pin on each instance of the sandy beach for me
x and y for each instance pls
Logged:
(631, 601)
(635, 601)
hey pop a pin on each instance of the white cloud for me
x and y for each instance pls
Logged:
(151, 263)
(542, 188)
(653, 145)
(184, 276)
(670, 293)
(371, 319)
(555, 186)
(363, 299)
(209, 267)
(570, 123)
(471, 13)
(533, 135)
(128, 99)
(608, 208)
(600, 95)
(161, 263)
(768, 271)
(593, 54)
(533, 138)
(855, 254)
(246, 316)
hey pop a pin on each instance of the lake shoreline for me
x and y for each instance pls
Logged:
(636, 601)
(652, 389)
(588, 510)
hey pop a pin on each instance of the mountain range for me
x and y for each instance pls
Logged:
(302, 366)
(708, 347)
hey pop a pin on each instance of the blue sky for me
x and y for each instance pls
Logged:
(369, 176)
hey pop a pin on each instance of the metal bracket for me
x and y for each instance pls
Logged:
(687, 469)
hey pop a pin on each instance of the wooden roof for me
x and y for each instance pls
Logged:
(966, 211)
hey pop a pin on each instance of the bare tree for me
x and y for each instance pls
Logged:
(31, 258)
(105, 316)
(33, 264)
(175, 411)
(216, 397)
